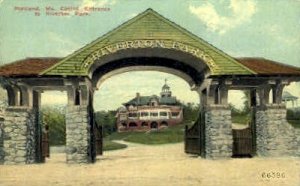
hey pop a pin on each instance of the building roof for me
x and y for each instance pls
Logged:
(286, 96)
(264, 66)
(150, 26)
(145, 100)
(168, 100)
(28, 66)
(35, 66)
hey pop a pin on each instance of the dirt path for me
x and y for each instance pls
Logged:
(165, 165)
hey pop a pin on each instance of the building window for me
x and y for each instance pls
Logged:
(77, 97)
(132, 114)
(123, 117)
(144, 114)
(175, 114)
(132, 125)
(154, 114)
(163, 114)
(153, 102)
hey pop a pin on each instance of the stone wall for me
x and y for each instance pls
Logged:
(1, 140)
(19, 135)
(218, 132)
(275, 136)
(78, 134)
(297, 134)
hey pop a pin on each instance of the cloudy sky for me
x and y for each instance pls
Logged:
(241, 28)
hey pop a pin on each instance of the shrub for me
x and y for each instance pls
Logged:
(55, 118)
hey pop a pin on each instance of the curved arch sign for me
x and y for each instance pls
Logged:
(149, 43)
(147, 30)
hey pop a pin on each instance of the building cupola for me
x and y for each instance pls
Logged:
(165, 90)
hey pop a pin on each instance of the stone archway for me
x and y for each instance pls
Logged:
(148, 41)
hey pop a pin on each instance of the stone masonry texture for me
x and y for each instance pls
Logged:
(19, 136)
(275, 136)
(78, 134)
(218, 132)
(1, 141)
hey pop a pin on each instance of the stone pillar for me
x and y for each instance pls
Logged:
(275, 137)
(78, 134)
(1, 140)
(79, 126)
(19, 135)
(218, 132)
(297, 139)
(216, 129)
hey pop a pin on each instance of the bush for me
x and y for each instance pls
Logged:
(55, 118)
(190, 112)
(107, 120)
(293, 114)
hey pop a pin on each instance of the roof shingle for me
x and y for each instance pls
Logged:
(35, 66)
(145, 100)
(264, 66)
(28, 66)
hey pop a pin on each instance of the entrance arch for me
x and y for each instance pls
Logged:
(186, 72)
(152, 42)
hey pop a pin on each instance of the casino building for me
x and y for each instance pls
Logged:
(150, 112)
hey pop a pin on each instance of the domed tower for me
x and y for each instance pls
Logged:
(165, 90)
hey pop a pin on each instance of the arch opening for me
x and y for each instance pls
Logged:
(124, 87)
(185, 67)
(164, 124)
(154, 125)
(179, 63)
(132, 125)
(51, 124)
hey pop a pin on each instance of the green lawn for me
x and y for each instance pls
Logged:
(172, 134)
(241, 119)
(110, 145)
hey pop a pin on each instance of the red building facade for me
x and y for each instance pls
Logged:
(150, 112)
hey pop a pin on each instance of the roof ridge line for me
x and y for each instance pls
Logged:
(126, 23)
(194, 36)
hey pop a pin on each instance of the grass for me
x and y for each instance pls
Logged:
(241, 119)
(111, 145)
(172, 134)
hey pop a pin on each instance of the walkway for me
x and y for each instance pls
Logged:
(144, 165)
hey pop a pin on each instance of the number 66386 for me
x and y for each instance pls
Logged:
(270, 175)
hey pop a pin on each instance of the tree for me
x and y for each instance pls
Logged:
(55, 118)
(246, 109)
(107, 120)
(190, 111)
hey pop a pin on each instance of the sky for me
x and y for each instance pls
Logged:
(240, 28)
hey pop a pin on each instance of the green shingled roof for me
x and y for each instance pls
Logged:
(147, 25)
(145, 100)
